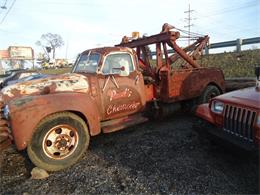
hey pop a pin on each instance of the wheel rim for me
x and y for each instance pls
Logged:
(60, 141)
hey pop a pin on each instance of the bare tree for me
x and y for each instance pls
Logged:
(49, 42)
(46, 56)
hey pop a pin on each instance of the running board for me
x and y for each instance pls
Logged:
(122, 123)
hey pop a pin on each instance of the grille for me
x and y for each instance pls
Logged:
(239, 122)
(4, 129)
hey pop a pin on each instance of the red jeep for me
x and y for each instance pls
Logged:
(234, 116)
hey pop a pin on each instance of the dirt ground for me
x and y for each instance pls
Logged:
(157, 157)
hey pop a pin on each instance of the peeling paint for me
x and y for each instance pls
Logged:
(61, 83)
(22, 101)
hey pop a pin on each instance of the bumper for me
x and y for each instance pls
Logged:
(210, 131)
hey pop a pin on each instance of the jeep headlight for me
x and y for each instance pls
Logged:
(217, 107)
(258, 120)
(6, 111)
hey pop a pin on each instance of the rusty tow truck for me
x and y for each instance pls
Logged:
(109, 89)
(233, 117)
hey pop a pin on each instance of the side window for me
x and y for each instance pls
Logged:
(114, 62)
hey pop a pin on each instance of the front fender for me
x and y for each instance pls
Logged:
(203, 111)
(27, 112)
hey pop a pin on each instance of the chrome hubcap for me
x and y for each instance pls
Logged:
(60, 141)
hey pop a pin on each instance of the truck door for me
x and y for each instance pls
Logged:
(121, 85)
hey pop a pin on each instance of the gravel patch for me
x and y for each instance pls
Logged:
(157, 157)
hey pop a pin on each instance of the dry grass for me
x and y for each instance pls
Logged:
(232, 63)
(56, 71)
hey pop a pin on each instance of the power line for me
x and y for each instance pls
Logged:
(226, 26)
(8, 11)
(228, 10)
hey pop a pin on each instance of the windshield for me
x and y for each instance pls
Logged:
(87, 63)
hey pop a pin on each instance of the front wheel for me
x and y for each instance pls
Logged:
(59, 141)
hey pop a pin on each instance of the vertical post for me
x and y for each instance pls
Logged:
(167, 61)
(67, 47)
(189, 25)
(159, 56)
(207, 50)
(1, 67)
(239, 43)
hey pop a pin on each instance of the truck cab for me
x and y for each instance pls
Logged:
(116, 82)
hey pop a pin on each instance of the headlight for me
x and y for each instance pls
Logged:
(217, 107)
(258, 120)
(6, 111)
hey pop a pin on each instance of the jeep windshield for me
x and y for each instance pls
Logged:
(87, 62)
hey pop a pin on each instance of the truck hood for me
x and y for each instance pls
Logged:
(53, 84)
(248, 97)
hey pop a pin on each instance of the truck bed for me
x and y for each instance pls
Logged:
(184, 84)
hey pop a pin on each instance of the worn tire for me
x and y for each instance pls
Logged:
(210, 92)
(59, 141)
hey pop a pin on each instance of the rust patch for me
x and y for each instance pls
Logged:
(22, 101)
(5, 144)
(188, 83)
(61, 83)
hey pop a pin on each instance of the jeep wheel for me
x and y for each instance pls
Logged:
(58, 141)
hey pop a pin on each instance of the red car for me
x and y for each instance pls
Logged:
(234, 117)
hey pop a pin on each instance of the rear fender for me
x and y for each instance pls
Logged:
(211, 76)
(27, 112)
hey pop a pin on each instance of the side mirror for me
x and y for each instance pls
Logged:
(123, 70)
(257, 72)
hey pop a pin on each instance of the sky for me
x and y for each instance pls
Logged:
(85, 24)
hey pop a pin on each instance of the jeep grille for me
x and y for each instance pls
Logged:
(239, 122)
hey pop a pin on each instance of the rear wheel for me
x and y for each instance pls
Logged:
(58, 141)
(210, 92)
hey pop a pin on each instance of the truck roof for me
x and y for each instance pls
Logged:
(105, 50)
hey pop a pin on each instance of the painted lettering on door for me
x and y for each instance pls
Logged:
(115, 108)
(115, 95)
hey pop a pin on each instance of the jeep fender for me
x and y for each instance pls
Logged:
(203, 111)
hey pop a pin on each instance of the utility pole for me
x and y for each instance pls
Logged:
(188, 19)
(67, 47)
(4, 6)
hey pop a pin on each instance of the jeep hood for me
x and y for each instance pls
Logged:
(249, 97)
(53, 84)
